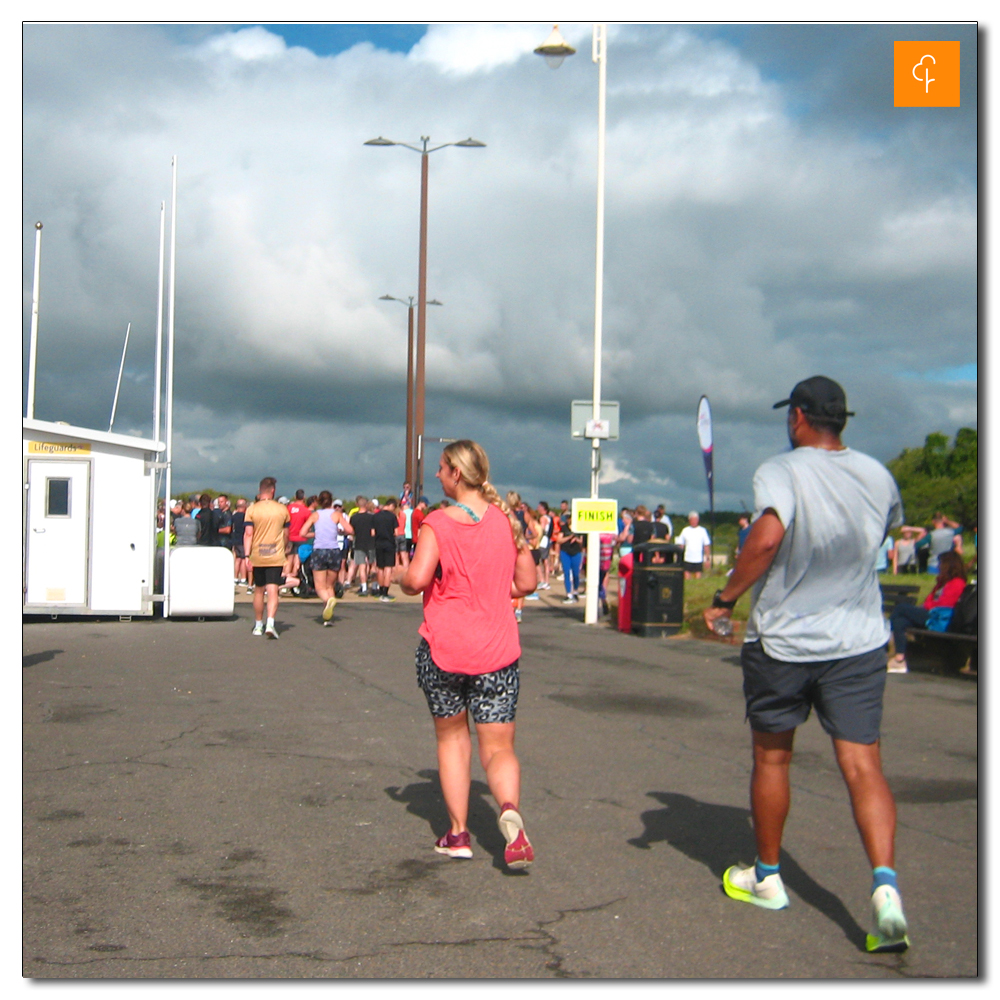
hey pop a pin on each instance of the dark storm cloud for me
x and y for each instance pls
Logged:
(768, 217)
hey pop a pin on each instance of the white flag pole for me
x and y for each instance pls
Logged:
(158, 378)
(33, 345)
(170, 384)
(118, 384)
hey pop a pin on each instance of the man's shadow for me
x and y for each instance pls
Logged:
(718, 836)
(426, 800)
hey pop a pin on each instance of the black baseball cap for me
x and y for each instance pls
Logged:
(818, 396)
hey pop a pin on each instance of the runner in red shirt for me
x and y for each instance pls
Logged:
(298, 513)
(470, 561)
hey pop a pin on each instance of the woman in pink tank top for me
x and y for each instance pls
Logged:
(471, 559)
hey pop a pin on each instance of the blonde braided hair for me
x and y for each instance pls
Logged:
(474, 468)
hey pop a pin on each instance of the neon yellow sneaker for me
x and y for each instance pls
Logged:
(742, 884)
(888, 922)
(328, 610)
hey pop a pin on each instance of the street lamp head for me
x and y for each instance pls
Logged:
(471, 143)
(555, 48)
(434, 302)
(380, 142)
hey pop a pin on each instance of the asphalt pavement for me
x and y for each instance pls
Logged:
(199, 803)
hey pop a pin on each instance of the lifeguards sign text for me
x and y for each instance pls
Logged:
(58, 448)
(594, 515)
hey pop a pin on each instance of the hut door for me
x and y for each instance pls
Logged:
(58, 532)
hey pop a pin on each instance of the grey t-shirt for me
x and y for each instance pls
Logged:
(186, 530)
(942, 540)
(820, 598)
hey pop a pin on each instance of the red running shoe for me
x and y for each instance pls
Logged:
(455, 845)
(518, 853)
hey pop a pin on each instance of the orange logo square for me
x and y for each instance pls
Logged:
(925, 74)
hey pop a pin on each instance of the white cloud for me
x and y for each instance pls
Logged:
(245, 45)
(612, 472)
(471, 48)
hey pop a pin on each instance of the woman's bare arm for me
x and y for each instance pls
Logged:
(525, 578)
(424, 563)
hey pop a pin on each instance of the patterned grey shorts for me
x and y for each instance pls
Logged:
(488, 697)
(325, 559)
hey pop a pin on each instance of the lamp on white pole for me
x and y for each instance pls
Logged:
(555, 49)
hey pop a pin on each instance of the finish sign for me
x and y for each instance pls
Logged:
(594, 515)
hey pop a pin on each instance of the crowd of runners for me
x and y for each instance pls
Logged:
(367, 543)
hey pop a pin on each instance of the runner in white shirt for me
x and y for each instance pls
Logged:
(697, 547)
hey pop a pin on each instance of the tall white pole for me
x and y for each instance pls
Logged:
(157, 403)
(158, 378)
(599, 53)
(118, 384)
(33, 345)
(170, 384)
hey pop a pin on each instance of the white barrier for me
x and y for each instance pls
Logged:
(201, 581)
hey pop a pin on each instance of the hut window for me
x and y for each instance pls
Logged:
(57, 498)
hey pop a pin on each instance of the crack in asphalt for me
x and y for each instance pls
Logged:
(541, 939)
(165, 746)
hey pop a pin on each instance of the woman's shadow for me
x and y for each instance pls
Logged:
(425, 799)
(718, 836)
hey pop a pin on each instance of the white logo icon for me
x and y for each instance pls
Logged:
(926, 79)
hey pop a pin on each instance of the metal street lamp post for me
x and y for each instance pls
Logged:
(419, 402)
(411, 461)
(555, 49)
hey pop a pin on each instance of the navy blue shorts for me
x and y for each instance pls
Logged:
(846, 693)
(488, 697)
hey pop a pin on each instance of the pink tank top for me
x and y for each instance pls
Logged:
(468, 620)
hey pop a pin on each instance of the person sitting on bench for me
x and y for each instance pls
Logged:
(945, 594)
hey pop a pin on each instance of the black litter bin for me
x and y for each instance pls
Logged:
(657, 588)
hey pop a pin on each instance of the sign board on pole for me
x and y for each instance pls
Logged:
(582, 423)
(593, 515)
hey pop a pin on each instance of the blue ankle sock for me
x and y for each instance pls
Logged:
(764, 870)
(883, 876)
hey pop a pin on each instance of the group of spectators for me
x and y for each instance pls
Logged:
(919, 549)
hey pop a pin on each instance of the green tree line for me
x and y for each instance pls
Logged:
(940, 477)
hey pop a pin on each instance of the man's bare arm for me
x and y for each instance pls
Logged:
(754, 561)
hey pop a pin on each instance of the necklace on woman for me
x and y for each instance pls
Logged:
(470, 512)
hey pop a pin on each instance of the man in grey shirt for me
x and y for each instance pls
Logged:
(816, 638)
(946, 535)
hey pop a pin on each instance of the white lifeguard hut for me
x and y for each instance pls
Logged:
(88, 512)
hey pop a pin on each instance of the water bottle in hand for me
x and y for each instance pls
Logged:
(723, 626)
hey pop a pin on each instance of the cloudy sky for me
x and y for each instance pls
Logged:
(770, 216)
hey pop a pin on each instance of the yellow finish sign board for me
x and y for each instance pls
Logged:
(58, 448)
(594, 515)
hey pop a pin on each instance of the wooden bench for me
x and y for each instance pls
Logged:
(945, 653)
(898, 593)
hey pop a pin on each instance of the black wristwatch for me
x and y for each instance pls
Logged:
(718, 602)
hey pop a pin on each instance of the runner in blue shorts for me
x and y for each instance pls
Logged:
(816, 638)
